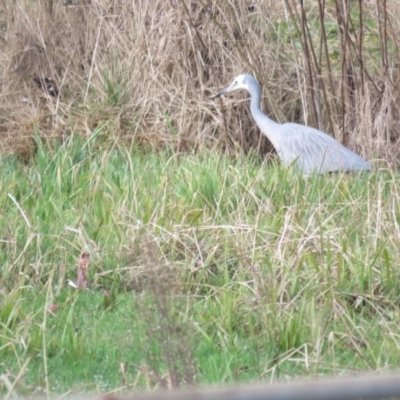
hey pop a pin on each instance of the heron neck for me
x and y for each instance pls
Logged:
(266, 125)
(255, 104)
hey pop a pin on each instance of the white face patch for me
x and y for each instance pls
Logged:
(239, 83)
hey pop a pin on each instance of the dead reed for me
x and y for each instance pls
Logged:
(144, 71)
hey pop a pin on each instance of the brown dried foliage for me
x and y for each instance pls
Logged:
(81, 281)
(146, 70)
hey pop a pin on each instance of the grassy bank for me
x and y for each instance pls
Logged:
(223, 269)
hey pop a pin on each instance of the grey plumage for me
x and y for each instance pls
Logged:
(307, 148)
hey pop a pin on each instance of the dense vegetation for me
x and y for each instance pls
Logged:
(223, 269)
(199, 258)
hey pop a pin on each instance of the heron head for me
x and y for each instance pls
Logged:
(243, 81)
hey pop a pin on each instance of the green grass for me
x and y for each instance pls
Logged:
(224, 269)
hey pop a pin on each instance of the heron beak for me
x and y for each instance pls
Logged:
(223, 91)
(219, 94)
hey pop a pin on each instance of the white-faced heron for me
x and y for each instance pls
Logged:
(307, 148)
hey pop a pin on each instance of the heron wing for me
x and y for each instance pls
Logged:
(315, 151)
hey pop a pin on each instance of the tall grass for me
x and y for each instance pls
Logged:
(225, 265)
(224, 269)
(145, 71)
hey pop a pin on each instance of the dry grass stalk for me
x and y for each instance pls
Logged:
(81, 281)
(145, 71)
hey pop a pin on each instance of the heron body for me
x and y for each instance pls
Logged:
(307, 148)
